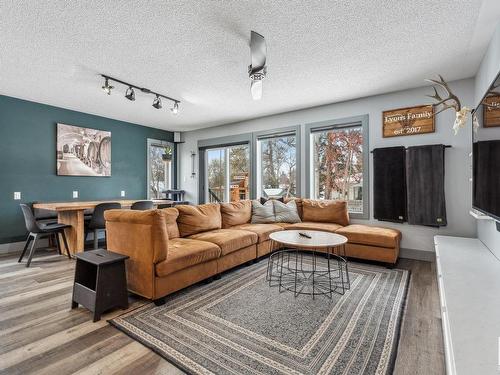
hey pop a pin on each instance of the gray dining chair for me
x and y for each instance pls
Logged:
(39, 230)
(97, 223)
(142, 205)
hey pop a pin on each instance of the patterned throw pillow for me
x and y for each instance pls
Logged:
(264, 200)
(286, 212)
(262, 213)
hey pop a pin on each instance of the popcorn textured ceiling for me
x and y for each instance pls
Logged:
(319, 52)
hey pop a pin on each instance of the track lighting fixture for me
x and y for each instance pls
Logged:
(107, 88)
(157, 102)
(130, 93)
(175, 108)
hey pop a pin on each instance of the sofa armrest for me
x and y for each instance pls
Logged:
(142, 235)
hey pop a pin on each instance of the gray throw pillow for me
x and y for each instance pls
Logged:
(262, 213)
(286, 212)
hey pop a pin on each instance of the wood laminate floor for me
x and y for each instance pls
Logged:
(40, 334)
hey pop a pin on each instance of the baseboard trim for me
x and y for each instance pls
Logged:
(427, 256)
(17, 247)
(12, 247)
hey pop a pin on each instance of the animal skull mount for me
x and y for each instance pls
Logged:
(450, 101)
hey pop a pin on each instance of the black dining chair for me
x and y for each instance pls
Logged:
(165, 205)
(42, 215)
(97, 223)
(39, 230)
(142, 205)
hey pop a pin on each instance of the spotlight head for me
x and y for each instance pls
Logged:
(175, 108)
(130, 94)
(107, 87)
(157, 102)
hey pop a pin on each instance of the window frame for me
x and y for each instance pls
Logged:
(173, 170)
(315, 127)
(275, 133)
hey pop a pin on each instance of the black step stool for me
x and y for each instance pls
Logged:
(100, 281)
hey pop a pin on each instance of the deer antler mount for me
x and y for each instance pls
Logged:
(450, 101)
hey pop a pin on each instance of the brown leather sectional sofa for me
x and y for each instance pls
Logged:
(172, 248)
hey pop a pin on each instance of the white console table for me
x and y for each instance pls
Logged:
(469, 290)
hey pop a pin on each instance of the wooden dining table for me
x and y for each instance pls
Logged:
(72, 213)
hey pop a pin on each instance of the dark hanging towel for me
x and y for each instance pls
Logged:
(389, 184)
(425, 185)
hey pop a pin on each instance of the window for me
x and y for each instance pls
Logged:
(277, 165)
(227, 174)
(337, 165)
(160, 166)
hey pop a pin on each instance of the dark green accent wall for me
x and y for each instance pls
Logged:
(28, 160)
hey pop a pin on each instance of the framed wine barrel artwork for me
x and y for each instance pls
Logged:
(83, 151)
(408, 121)
(491, 111)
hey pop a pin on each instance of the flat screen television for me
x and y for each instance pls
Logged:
(486, 153)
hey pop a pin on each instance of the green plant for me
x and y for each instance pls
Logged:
(167, 153)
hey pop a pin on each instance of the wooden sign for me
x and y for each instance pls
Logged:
(408, 121)
(491, 111)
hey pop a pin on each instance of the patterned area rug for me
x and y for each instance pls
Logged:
(240, 325)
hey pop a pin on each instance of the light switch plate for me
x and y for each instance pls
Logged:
(122, 193)
(17, 195)
(75, 194)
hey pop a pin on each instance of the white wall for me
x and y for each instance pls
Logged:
(490, 66)
(458, 187)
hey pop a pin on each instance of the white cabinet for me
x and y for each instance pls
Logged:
(469, 289)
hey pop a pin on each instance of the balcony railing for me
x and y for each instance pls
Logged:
(355, 206)
(215, 196)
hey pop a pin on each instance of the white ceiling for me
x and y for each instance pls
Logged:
(319, 52)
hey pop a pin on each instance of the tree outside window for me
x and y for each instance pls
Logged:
(160, 164)
(278, 166)
(338, 166)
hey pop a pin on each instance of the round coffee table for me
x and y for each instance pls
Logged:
(287, 269)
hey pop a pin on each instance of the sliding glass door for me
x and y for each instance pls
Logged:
(227, 171)
(216, 175)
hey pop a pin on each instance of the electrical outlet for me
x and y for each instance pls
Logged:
(75, 193)
(122, 193)
(17, 195)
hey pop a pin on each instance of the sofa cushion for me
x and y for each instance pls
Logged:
(262, 213)
(140, 234)
(261, 230)
(184, 253)
(171, 215)
(228, 240)
(286, 212)
(325, 211)
(197, 219)
(236, 213)
(298, 202)
(308, 225)
(283, 225)
(373, 236)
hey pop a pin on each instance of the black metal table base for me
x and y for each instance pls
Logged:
(300, 272)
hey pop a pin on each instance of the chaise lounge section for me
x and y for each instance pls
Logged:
(173, 248)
